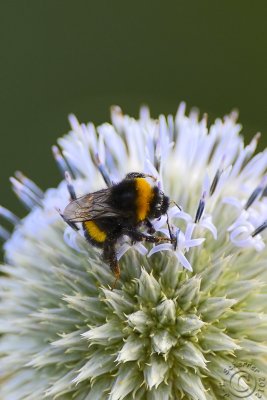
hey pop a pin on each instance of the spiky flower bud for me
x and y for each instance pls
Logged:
(180, 316)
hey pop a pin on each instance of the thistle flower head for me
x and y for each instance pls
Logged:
(179, 315)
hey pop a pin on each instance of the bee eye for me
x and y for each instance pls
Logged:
(165, 204)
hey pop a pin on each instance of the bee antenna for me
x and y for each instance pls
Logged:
(177, 205)
(151, 176)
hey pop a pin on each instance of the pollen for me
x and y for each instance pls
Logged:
(94, 232)
(144, 197)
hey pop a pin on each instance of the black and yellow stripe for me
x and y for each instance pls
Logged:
(144, 198)
(94, 233)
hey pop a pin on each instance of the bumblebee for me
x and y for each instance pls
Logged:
(121, 209)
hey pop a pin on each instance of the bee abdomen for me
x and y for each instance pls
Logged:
(94, 234)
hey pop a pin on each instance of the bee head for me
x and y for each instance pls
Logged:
(160, 204)
(151, 201)
(133, 175)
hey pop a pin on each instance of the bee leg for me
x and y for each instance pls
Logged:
(110, 257)
(140, 236)
(150, 227)
(155, 239)
(172, 236)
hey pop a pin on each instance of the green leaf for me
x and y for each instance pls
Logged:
(215, 340)
(191, 384)
(163, 341)
(100, 362)
(155, 371)
(134, 349)
(149, 288)
(166, 312)
(128, 381)
(190, 355)
(105, 334)
(139, 321)
(189, 325)
(214, 307)
(118, 302)
(188, 293)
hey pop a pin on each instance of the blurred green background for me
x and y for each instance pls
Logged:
(78, 56)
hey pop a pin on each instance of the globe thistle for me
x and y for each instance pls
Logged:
(183, 321)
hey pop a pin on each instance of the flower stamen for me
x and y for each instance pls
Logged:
(60, 161)
(216, 178)
(102, 170)
(201, 207)
(256, 193)
(70, 186)
(4, 233)
(25, 193)
(9, 216)
(260, 228)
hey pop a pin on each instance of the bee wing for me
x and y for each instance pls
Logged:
(91, 206)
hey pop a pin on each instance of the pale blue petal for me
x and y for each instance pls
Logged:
(210, 226)
(183, 260)
(193, 242)
(160, 247)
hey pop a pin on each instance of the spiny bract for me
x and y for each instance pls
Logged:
(178, 319)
